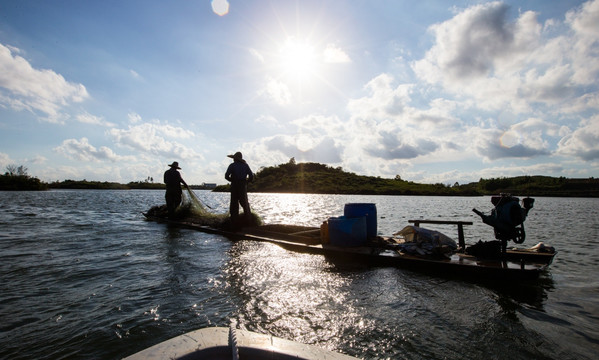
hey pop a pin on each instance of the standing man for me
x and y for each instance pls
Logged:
(173, 179)
(239, 173)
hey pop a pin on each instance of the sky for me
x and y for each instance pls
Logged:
(430, 91)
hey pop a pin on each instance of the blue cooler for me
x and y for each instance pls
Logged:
(363, 209)
(346, 231)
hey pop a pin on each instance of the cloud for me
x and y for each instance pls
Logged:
(26, 88)
(584, 21)
(278, 91)
(519, 141)
(305, 148)
(82, 150)
(317, 139)
(583, 143)
(544, 168)
(150, 138)
(394, 147)
(383, 100)
(5, 160)
(516, 64)
(267, 120)
(318, 125)
(134, 118)
(87, 118)
(334, 55)
(134, 74)
(37, 159)
(475, 41)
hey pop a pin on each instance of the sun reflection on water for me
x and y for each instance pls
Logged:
(291, 295)
(297, 209)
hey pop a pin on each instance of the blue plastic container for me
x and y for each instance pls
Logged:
(363, 209)
(344, 231)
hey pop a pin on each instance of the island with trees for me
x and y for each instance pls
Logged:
(315, 178)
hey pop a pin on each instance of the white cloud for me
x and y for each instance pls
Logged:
(278, 91)
(383, 100)
(318, 125)
(134, 74)
(150, 138)
(26, 88)
(584, 21)
(87, 118)
(544, 168)
(302, 147)
(134, 118)
(583, 142)
(37, 159)
(335, 55)
(5, 160)
(267, 120)
(82, 150)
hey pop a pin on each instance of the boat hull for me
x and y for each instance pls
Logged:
(215, 344)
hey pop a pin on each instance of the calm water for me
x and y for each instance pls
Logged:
(84, 276)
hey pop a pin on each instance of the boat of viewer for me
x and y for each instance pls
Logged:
(216, 343)
(353, 237)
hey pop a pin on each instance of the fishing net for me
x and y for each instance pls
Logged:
(194, 211)
(195, 205)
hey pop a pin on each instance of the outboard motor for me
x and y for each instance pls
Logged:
(507, 218)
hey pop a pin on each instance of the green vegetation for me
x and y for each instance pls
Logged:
(16, 178)
(84, 184)
(322, 179)
(540, 186)
(317, 178)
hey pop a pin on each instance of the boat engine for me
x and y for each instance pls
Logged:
(507, 218)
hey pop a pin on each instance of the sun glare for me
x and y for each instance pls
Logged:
(298, 59)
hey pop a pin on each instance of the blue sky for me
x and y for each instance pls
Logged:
(433, 91)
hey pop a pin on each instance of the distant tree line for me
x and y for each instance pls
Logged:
(315, 178)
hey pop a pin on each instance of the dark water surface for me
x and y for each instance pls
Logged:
(84, 276)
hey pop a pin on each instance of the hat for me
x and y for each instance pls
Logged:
(236, 156)
(175, 165)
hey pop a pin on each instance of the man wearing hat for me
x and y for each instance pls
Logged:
(173, 179)
(239, 173)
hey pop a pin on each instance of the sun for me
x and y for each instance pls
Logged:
(298, 59)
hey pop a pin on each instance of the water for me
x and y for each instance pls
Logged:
(84, 276)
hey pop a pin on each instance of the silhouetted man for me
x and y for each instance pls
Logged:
(239, 173)
(173, 181)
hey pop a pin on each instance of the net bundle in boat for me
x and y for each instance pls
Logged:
(197, 213)
(193, 210)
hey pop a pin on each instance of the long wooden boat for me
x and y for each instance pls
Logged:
(216, 343)
(515, 266)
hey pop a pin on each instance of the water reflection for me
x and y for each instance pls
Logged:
(291, 295)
